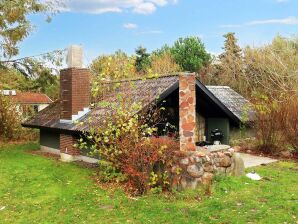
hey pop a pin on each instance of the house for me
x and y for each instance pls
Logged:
(28, 102)
(194, 109)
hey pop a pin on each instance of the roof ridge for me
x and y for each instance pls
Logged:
(141, 78)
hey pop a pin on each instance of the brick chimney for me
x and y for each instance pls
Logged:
(75, 99)
(74, 87)
(187, 111)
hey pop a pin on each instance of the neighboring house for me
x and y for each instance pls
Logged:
(193, 108)
(28, 102)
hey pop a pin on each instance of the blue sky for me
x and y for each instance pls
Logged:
(103, 26)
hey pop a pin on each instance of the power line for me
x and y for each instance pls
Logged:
(33, 56)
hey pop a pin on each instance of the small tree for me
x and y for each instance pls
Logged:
(190, 54)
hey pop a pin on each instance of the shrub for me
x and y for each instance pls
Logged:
(267, 124)
(289, 122)
(10, 122)
(277, 123)
(147, 165)
(164, 64)
(124, 140)
(9, 119)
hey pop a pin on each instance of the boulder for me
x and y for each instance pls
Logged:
(225, 161)
(239, 168)
(195, 171)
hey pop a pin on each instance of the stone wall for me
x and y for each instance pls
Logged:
(194, 168)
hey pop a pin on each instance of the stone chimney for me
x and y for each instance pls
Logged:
(74, 87)
(187, 111)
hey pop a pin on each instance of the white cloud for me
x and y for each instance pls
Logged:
(105, 6)
(145, 8)
(285, 21)
(160, 2)
(130, 26)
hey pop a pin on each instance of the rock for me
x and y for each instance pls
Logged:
(228, 153)
(220, 154)
(216, 161)
(198, 159)
(238, 165)
(208, 158)
(195, 171)
(231, 150)
(192, 159)
(200, 154)
(207, 178)
(184, 161)
(225, 161)
(208, 167)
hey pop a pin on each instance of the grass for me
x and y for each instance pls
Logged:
(34, 189)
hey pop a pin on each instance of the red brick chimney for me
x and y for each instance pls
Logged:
(74, 87)
(187, 111)
(75, 99)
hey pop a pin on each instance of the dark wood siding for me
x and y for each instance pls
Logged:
(49, 139)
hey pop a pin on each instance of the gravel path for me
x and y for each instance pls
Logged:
(251, 160)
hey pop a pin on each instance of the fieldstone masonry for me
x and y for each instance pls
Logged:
(187, 111)
(194, 168)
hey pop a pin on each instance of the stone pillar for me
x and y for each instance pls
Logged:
(68, 152)
(187, 111)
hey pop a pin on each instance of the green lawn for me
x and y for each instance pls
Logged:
(34, 189)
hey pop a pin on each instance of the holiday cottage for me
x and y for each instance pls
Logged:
(196, 112)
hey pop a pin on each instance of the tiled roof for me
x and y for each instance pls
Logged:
(148, 90)
(31, 98)
(144, 91)
(236, 103)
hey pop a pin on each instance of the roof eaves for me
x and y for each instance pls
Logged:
(218, 102)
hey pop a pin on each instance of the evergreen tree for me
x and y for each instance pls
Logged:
(190, 54)
(143, 61)
(231, 62)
